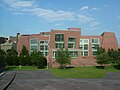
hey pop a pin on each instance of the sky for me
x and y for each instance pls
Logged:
(34, 16)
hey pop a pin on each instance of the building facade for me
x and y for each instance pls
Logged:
(82, 49)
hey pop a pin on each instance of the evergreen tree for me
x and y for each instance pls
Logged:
(2, 60)
(38, 59)
(12, 57)
(24, 57)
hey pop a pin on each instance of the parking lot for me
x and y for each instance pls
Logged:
(44, 80)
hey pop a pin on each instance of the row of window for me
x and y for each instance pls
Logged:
(59, 38)
(73, 54)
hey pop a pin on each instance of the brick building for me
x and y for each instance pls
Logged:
(82, 48)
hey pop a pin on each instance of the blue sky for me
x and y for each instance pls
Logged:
(34, 16)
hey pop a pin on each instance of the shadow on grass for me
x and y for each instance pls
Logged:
(100, 67)
(69, 67)
(117, 66)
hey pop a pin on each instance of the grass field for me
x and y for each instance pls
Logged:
(79, 72)
(83, 72)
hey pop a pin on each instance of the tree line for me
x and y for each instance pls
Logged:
(109, 57)
(103, 57)
(11, 58)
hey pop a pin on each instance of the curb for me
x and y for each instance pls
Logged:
(9, 82)
(2, 74)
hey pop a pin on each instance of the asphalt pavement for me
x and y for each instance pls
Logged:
(44, 80)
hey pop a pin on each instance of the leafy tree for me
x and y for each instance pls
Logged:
(38, 59)
(113, 54)
(24, 57)
(63, 57)
(118, 60)
(100, 50)
(2, 60)
(114, 57)
(12, 57)
(102, 57)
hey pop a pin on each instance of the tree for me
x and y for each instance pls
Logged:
(38, 59)
(12, 57)
(100, 50)
(2, 60)
(63, 57)
(102, 57)
(24, 57)
(114, 55)
(118, 60)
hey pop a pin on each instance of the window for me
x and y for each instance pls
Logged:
(34, 41)
(74, 54)
(59, 45)
(84, 46)
(34, 48)
(59, 37)
(94, 53)
(44, 47)
(41, 47)
(85, 53)
(71, 45)
(46, 54)
(95, 44)
(54, 54)
(71, 42)
(59, 40)
(33, 44)
(41, 42)
(95, 40)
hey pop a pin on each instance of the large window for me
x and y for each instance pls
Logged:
(44, 47)
(33, 44)
(95, 44)
(84, 46)
(59, 40)
(59, 37)
(71, 42)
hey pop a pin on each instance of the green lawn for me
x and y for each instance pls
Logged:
(79, 72)
(82, 72)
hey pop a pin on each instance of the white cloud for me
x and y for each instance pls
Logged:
(83, 19)
(93, 9)
(88, 8)
(84, 8)
(91, 23)
(53, 15)
(28, 7)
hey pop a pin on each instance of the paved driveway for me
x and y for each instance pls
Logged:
(44, 80)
